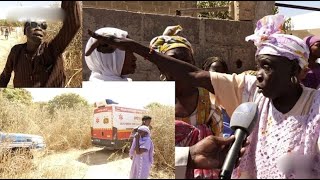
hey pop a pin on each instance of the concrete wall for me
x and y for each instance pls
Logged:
(158, 7)
(262, 9)
(303, 33)
(209, 37)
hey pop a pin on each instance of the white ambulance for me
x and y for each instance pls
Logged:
(112, 124)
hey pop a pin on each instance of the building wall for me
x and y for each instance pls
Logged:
(158, 7)
(209, 37)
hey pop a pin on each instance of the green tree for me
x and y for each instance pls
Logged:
(67, 100)
(17, 95)
(153, 105)
(219, 14)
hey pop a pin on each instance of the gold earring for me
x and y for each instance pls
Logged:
(294, 80)
(163, 77)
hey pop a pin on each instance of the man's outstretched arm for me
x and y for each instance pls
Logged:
(71, 24)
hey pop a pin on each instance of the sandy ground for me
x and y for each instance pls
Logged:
(5, 47)
(106, 164)
(94, 163)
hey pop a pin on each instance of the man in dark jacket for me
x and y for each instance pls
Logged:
(37, 63)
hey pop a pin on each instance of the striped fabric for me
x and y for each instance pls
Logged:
(204, 109)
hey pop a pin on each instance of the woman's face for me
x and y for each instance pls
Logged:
(129, 65)
(181, 53)
(147, 122)
(142, 133)
(315, 50)
(274, 75)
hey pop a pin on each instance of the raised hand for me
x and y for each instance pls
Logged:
(108, 43)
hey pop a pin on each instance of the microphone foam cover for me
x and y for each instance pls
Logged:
(244, 116)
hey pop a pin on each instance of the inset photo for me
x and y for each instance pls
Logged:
(105, 131)
(40, 44)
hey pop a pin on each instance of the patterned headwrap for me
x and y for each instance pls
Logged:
(170, 40)
(310, 40)
(269, 39)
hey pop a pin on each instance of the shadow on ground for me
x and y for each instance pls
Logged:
(102, 156)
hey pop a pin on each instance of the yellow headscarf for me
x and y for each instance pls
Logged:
(170, 40)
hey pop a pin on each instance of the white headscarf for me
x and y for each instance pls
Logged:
(144, 140)
(106, 66)
(269, 39)
(144, 129)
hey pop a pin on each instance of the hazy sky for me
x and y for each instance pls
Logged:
(132, 94)
(4, 5)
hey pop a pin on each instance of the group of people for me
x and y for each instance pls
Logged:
(284, 86)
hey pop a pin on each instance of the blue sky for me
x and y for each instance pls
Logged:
(289, 12)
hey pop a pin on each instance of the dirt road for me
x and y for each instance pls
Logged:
(106, 164)
(94, 163)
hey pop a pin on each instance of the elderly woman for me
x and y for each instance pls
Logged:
(312, 78)
(289, 113)
(141, 153)
(108, 63)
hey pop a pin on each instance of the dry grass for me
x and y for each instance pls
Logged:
(66, 129)
(15, 165)
(69, 130)
(72, 55)
(63, 165)
(163, 138)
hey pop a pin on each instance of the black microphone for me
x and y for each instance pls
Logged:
(242, 122)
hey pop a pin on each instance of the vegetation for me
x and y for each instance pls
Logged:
(163, 134)
(4, 22)
(72, 55)
(17, 95)
(219, 14)
(66, 101)
(68, 130)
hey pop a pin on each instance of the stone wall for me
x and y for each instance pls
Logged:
(157, 7)
(209, 37)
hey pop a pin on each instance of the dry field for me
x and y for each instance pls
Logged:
(69, 153)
